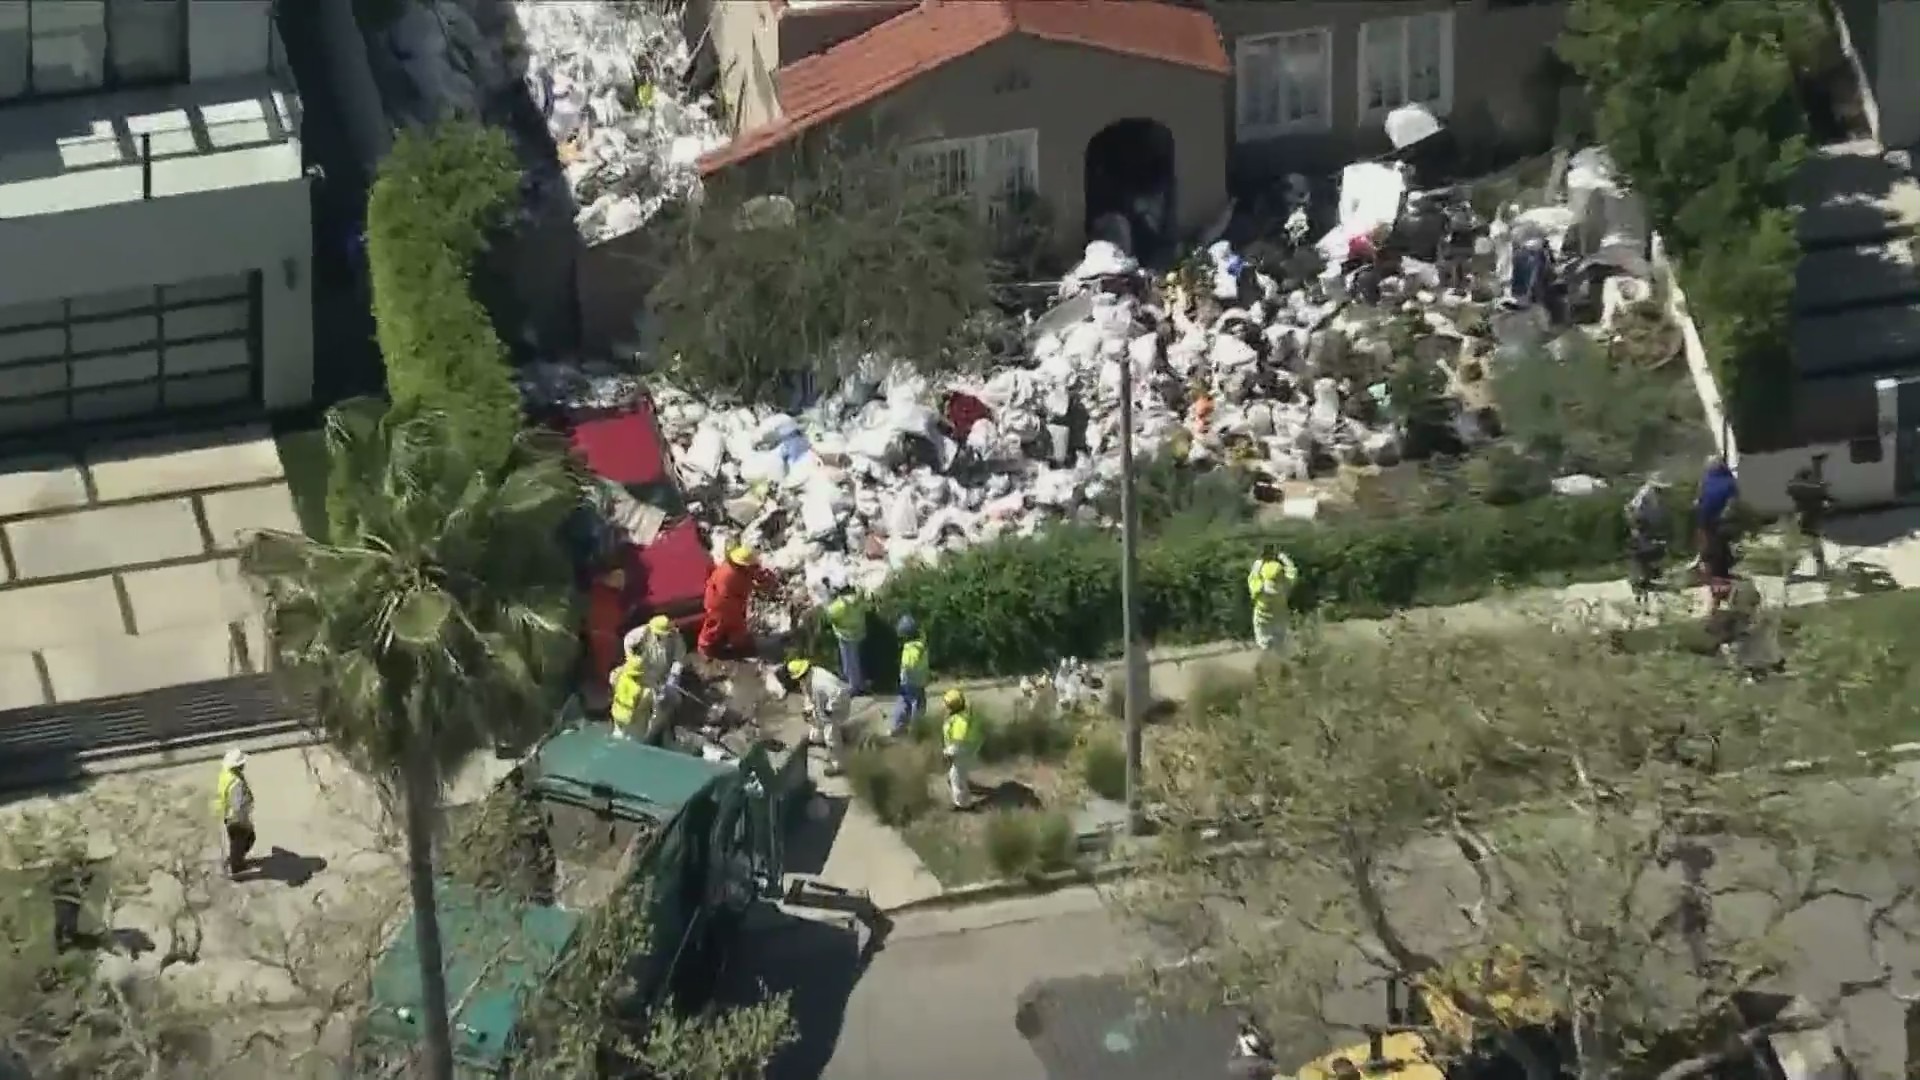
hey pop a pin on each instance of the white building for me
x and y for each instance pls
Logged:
(155, 223)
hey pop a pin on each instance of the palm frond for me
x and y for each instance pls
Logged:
(444, 612)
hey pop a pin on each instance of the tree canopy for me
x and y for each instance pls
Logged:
(1527, 827)
(1698, 106)
(445, 609)
(855, 254)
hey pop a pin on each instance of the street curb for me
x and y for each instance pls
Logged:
(1040, 884)
(1011, 889)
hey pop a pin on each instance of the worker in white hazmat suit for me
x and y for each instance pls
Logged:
(662, 652)
(1269, 582)
(827, 703)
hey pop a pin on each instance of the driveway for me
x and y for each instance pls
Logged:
(118, 578)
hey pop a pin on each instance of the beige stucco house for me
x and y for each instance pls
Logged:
(1315, 79)
(1097, 106)
(1063, 94)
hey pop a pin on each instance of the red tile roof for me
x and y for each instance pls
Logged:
(913, 43)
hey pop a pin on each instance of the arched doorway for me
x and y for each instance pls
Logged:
(1130, 188)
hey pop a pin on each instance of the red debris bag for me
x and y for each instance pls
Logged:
(962, 412)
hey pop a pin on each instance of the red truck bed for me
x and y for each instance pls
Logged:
(669, 576)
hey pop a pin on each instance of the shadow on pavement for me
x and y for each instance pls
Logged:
(1873, 529)
(1102, 1028)
(1005, 795)
(814, 833)
(817, 960)
(279, 864)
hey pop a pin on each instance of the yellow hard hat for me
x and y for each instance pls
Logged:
(660, 624)
(741, 556)
(799, 668)
(954, 700)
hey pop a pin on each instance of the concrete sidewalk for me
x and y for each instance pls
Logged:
(1172, 670)
(869, 856)
(312, 805)
(117, 570)
(330, 889)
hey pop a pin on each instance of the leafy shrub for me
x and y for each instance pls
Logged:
(893, 780)
(1103, 766)
(1504, 476)
(1031, 732)
(1585, 412)
(1056, 848)
(1013, 844)
(1217, 688)
(873, 260)
(1172, 496)
(1011, 606)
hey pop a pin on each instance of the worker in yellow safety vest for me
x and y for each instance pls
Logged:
(1269, 582)
(847, 614)
(233, 802)
(916, 671)
(631, 695)
(960, 742)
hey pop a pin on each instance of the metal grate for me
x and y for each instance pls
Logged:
(50, 742)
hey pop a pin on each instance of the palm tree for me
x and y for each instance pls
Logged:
(436, 620)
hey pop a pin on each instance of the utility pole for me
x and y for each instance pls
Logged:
(1136, 682)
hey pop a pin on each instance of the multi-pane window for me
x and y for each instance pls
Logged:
(1283, 83)
(993, 171)
(1407, 60)
(53, 47)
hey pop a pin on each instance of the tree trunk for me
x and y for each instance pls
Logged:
(422, 799)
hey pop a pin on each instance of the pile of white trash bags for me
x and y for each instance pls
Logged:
(606, 76)
(876, 476)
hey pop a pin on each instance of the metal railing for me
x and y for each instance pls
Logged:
(121, 148)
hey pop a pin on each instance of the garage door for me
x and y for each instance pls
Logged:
(130, 355)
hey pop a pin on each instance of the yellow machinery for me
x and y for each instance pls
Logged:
(1434, 1040)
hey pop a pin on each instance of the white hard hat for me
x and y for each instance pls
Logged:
(236, 758)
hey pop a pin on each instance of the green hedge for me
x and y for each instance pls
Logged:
(438, 196)
(1008, 607)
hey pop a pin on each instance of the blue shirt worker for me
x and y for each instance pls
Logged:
(915, 673)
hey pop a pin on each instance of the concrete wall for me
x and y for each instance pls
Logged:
(1500, 58)
(260, 227)
(1764, 475)
(1897, 72)
(746, 43)
(228, 37)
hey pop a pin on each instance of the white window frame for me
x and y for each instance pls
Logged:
(1247, 52)
(988, 184)
(1401, 25)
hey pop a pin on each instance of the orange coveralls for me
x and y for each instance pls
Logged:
(724, 633)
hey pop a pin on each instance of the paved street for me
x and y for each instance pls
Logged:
(943, 999)
(948, 993)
